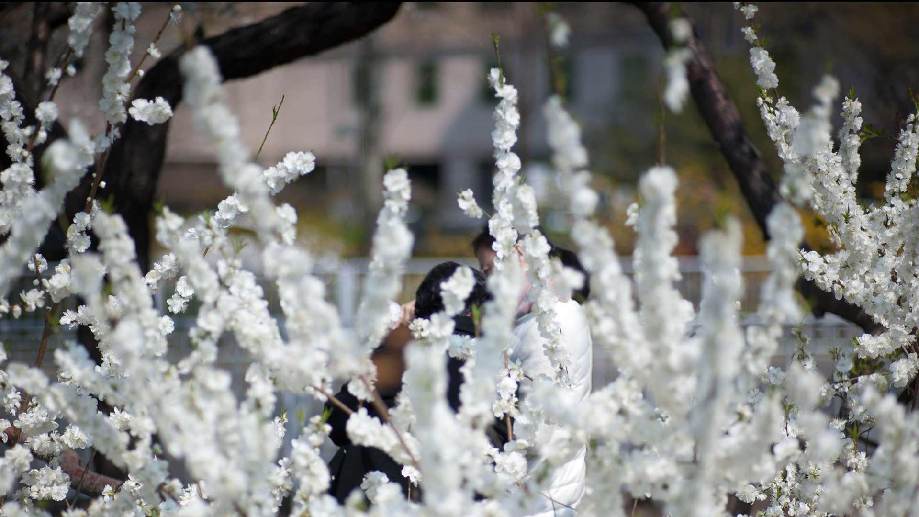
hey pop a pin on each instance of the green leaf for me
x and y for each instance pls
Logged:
(391, 162)
(108, 204)
(477, 318)
(868, 132)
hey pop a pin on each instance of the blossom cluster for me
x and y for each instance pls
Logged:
(697, 412)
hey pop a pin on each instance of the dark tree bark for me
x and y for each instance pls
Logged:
(134, 164)
(744, 159)
(36, 56)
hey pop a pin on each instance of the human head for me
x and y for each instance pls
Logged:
(483, 250)
(428, 300)
(485, 253)
(570, 260)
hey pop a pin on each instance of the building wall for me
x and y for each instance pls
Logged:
(450, 138)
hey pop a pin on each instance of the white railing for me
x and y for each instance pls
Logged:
(344, 278)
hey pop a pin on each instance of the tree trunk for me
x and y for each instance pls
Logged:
(744, 159)
(134, 164)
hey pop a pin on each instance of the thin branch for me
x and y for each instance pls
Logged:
(46, 335)
(135, 162)
(507, 416)
(136, 72)
(82, 477)
(89, 481)
(384, 414)
(275, 110)
(745, 161)
(334, 400)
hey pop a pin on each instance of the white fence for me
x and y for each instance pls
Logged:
(344, 279)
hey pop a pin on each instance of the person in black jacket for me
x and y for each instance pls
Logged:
(352, 462)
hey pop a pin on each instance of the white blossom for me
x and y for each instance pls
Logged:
(764, 67)
(290, 168)
(151, 112)
(47, 483)
(468, 204)
(80, 24)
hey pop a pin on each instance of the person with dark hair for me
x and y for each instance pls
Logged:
(352, 462)
(567, 481)
(485, 254)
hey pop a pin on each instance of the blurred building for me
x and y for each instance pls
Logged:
(415, 94)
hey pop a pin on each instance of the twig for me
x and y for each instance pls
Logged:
(555, 60)
(82, 476)
(135, 72)
(554, 501)
(99, 170)
(275, 111)
(384, 413)
(337, 403)
(496, 42)
(45, 335)
(97, 175)
(662, 131)
(46, 331)
(507, 416)
(62, 64)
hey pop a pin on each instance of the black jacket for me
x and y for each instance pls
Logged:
(352, 462)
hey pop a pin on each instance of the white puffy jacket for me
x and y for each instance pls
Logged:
(567, 481)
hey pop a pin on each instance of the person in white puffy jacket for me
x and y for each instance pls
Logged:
(567, 479)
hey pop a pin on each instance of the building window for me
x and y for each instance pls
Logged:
(426, 83)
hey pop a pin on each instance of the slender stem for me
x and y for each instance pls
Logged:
(275, 111)
(136, 70)
(554, 501)
(82, 476)
(62, 64)
(507, 416)
(62, 61)
(337, 403)
(554, 61)
(97, 178)
(384, 413)
(662, 131)
(45, 335)
(99, 170)
(496, 42)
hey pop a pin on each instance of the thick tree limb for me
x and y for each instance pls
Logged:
(89, 482)
(744, 159)
(135, 161)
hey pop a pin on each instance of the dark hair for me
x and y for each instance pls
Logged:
(482, 240)
(428, 299)
(567, 257)
(570, 259)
